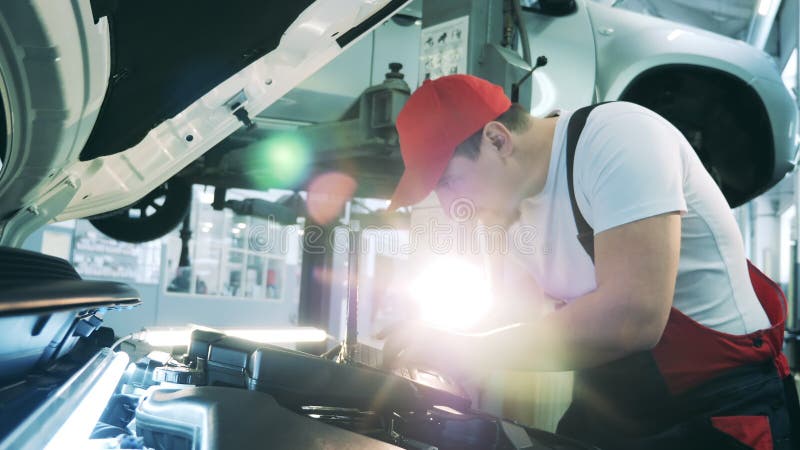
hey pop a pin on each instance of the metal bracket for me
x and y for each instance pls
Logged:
(236, 105)
(32, 217)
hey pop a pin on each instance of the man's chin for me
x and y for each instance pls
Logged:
(498, 218)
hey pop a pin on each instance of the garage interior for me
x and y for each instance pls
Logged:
(281, 231)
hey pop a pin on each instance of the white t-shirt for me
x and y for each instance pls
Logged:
(630, 164)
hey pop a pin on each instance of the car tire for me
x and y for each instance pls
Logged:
(152, 217)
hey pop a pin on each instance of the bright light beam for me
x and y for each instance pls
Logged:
(75, 432)
(452, 294)
(182, 336)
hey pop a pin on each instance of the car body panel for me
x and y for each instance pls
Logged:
(111, 182)
(568, 42)
(630, 44)
(54, 68)
(115, 181)
(781, 110)
(162, 65)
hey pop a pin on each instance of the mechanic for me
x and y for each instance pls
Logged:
(675, 338)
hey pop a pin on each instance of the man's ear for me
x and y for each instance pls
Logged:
(499, 137)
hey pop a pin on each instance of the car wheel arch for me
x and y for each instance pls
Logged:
(722, 116)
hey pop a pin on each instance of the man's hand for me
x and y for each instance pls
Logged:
(405, 344)
(415, 345)
(636, 266)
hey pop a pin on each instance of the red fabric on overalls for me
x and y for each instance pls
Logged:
(749, 430)
(689, 353)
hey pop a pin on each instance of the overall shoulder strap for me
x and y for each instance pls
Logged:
(576, 123)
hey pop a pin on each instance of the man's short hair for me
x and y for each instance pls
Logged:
(516, 119)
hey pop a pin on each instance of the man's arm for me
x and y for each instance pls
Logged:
(636, 266)
(515, 293)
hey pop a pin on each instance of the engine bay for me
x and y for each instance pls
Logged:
(227, 392)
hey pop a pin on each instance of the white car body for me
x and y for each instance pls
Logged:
(677, 44)
(598, 52)
(52, 112)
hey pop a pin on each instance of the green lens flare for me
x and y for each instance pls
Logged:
(282, 161)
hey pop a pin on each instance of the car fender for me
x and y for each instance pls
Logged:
(54, 70)
(630, 45)
(568, 79)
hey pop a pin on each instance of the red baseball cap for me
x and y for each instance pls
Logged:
(440, 115)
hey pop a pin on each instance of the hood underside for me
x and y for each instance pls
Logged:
(166, 55)
(142, 90)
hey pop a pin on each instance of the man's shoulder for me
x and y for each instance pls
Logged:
(614, 117)
(619, 110)
(620, 132)
(623, 119)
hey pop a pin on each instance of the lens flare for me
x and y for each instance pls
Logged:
(327, 195)
(452, 294)
(281, 161)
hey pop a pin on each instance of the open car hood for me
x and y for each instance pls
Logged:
(103, 101)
